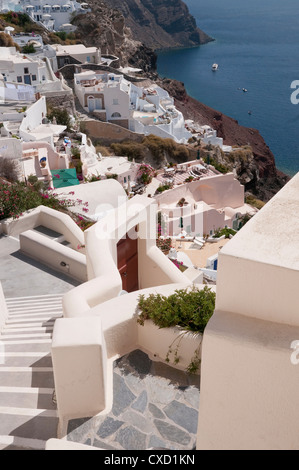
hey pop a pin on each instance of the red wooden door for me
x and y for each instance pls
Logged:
(127, 260)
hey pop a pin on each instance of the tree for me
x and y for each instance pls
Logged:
(61, 115)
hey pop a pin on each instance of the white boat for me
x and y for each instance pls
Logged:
(215, 67)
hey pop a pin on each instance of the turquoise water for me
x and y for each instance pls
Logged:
(256, 48)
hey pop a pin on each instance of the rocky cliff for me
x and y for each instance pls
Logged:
(160, 23)
(255, 169)
(133, 29)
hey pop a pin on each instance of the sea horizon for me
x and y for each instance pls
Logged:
(263, 63)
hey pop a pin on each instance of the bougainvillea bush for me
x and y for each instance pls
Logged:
(145, 173)
(15, 199)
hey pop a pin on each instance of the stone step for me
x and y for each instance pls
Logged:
(34, 311)
(28, 423)
(28, 326)
(36, 307)
(8, 331)
(32, 316)
(25, 397)
(19, 443)
(33, 298)
(27, 336)
(38, 345)
(22, 359)
(26, 377)
(30, 321)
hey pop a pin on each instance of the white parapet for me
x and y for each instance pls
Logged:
(250, 367)
(80, 367)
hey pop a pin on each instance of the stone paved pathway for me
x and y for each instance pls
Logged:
(154, 406)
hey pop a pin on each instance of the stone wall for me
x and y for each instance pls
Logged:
(109, 133)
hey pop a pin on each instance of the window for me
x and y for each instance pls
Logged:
(115, 101)
(34, 78)
(125, 180)
(19, 79)
(116, 115)
(88, 58)
(129, 178)
(26, 71)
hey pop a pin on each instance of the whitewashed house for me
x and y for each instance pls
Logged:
(55, 15)
(143, 110)
(22, 69)
(106, 94)
(76, 54)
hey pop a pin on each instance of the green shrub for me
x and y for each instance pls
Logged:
(112, 176)
(189, 309)
(253, 201)
(29, 49)
(76, 152)
(164, 187)
(130, 149)
(61, 115)
(218, 166)
(224, 231)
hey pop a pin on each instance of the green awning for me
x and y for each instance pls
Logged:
(65, 178)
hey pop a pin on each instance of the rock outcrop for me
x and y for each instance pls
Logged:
(161, 23)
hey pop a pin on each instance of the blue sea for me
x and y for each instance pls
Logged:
(257, 48)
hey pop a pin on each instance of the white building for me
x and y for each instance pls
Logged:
(143, 110)
(17, 68)
(76, 54)
(34, 71)
(153, 112)
(208, 135)
(15, 92)
(55, 15)
(24, 39)
(106, 94)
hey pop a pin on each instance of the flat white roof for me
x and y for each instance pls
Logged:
(73, 49)
(101, 196)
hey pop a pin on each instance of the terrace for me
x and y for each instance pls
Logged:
(178, 175)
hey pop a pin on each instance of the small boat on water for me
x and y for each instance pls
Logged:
(215, 67)
(245, 90)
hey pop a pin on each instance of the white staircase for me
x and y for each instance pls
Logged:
(28, 416)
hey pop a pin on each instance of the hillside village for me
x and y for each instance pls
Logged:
(107, 193)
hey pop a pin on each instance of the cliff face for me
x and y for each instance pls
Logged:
(133, 29)
(159, 23)
(106, 28)
(258, 172)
